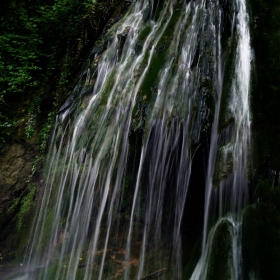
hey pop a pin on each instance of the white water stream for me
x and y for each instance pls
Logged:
(113, 207)
(232, 193)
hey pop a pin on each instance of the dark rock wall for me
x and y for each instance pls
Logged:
(261, 226)
(265, 99)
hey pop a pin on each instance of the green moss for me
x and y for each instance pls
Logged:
(22, 205)
(151, 78)
(221, 253)
(159, 58)
(45, 233)
(224, 117)
(26, 205)
(107, 89)
(144, 33)
(223, 165)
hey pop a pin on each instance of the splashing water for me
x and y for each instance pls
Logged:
(120, 159)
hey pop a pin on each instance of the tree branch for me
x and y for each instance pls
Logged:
(153, 274)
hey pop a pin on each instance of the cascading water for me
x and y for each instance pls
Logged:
(174, 75)
(229, 150)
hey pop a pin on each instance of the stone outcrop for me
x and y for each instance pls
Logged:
(15, 167)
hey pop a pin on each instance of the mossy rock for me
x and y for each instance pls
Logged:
(220, 259)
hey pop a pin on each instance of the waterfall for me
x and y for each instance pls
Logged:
(232, 148)
(173, 77)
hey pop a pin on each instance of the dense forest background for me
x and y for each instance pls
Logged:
(43, 45)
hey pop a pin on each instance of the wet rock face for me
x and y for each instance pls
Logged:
(15, 167)
(16, 161)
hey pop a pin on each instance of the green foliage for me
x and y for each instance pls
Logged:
(19, 58)
(31, 118)
(45, 131)
(6, 127)
(34, 38)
